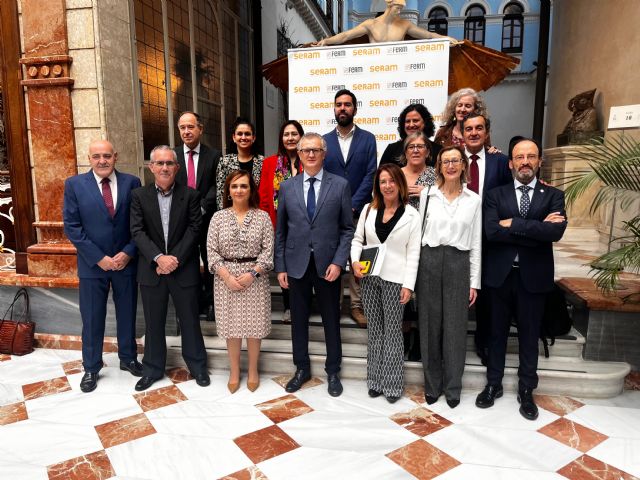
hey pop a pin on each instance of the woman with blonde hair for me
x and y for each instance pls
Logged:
(460, 104)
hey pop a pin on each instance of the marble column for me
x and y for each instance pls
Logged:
(48, 85)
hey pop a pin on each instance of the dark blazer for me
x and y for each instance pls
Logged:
(530, 238)
(496, 172)
(91, 229)
(185, 220)
(329, 234)
(208, 159)
(360, 167)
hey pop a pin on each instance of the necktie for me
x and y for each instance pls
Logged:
(311, 199)
(191, 172)
(108, 198)
(525, 203)
(474, 174)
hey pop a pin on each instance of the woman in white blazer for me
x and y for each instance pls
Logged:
(387, 220)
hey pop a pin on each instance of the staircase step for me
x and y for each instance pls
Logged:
(557, 376)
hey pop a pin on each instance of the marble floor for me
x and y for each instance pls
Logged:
(178, 430)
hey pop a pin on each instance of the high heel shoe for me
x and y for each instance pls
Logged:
(233, 386)
(253, 386)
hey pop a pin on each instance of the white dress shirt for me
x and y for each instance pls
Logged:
(455, 224)
(482, 166)
(345, 142)
(113, 184)
(196, 156)
(316, 185)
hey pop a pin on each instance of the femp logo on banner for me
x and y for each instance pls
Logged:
(385, 77)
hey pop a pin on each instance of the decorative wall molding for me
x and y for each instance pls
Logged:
(47, 71)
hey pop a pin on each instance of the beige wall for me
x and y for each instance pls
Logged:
(594, 44)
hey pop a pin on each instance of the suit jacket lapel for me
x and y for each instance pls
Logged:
(95, 193)
(299, 189)
(536, 200)
(334, 146)
(121, 189)
(512, 201)
(354, 142)
(176, 210)
(152, 200)
(325, 186)
(202, 158)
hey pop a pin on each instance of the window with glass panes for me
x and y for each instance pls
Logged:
(474, 24)
(512, 28)
(438, 21)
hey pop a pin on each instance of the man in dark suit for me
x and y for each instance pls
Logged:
(96, 221)
(351, 154)
(521, 222)
(486, 171)
(165, 224)
(313, 237)
(198, 165)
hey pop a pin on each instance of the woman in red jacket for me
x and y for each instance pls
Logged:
(275, 170)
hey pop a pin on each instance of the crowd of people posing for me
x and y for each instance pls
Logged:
(462, 226)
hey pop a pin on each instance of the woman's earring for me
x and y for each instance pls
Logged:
(228, 197)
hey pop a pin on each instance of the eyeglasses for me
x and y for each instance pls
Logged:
(454, 161)
(309, 151)
(417, 146)
(530, 157)
(168, 163)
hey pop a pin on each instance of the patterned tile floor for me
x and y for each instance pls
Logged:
(178, 430)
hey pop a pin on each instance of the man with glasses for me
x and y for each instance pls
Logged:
(313, 238)
(165, 224)
(96, 221)
(351, 154)
(521, 221)
(198, 166)
(486, 171)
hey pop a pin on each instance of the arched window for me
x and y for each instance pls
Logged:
(438, 21)
(512, 28)
(474, 24)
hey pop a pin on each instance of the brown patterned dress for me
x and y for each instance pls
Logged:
(245, 313)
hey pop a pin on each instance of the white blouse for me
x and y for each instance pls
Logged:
(455, 224)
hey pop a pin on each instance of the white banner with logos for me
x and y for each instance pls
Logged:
(385, 78)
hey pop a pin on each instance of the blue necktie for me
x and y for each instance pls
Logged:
(311, 198)
(525, 203)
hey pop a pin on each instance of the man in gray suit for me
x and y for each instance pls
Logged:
(313, 237)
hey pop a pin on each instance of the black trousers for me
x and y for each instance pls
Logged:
(328, 295)
(483, 320)
(512, 300)
(206, 284)
(155, 301)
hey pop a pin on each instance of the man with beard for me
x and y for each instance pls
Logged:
(521, 222)
(352, 155)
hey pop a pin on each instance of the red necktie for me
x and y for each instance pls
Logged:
(191, 172)
(474, 174)
(108, 198)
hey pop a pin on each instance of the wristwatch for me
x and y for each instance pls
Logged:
(254, 272)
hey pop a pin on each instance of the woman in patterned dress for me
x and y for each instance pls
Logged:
(416, 171)
(242, 156)
(240, 252)
(275, 170)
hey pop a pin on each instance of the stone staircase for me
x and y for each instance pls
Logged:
(565, 372)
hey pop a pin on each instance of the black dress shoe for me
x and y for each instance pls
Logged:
(486, 397)
(374, 393)
(203, 379)
(453, 402)
(298, 379)
(145, 382)
(528, 407)
(335, 386)
(430, 400)
(392, 399)
(134, 367)
(89, 382)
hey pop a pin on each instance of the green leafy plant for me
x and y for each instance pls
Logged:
(616, 165)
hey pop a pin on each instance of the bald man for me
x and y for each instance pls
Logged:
(96, 221)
